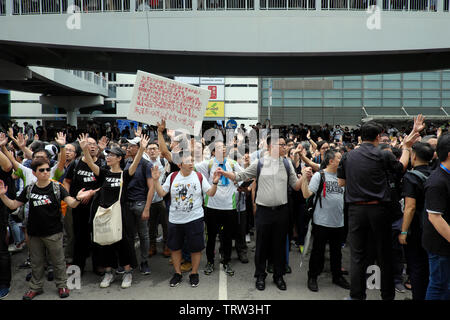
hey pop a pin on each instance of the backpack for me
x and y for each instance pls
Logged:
(423, 178)
(258, 172)
(311, 202)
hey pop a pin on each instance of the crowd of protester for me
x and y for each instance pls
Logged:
(383, 192)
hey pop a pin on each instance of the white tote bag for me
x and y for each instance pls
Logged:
(107, 225)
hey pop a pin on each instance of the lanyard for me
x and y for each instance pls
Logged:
(444, 168)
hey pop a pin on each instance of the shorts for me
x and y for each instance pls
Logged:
(192, 232)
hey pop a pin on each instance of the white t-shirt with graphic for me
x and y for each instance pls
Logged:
(186, 197)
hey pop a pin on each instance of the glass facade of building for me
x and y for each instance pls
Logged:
(341, 100)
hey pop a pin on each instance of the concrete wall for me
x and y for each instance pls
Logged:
(260, 32)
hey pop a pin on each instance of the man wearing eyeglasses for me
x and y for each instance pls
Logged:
(273, 173)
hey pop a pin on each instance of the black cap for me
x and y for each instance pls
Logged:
(117, 151)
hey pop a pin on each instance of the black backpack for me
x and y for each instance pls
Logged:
(311, 202)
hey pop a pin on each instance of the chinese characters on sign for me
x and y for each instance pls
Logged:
(155, 98)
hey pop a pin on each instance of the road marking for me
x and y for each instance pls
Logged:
(223, 292)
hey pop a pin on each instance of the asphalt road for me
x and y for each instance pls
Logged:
(217, 286)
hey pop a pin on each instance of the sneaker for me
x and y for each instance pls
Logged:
(108, 278)
(194, 279)
(26, 264)
(159, 239)
(16, 248)
(186, 266)
(30, 294)
(247, 238)
(145, 270)
(301, 248)
(120, 270)
(270, 268)
(209, 268)
(126, 280)
(50, 274)
(228, 270)
(63, 293)
(28, 276)
(312, 284)
(176, 279)
(4, 292)
(399, 287)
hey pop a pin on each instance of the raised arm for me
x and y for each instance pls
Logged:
(5, 163)
(158, 188)
(61, 140)
(311, 141)
(11, 204)
(165, 153)
(21, 142)
(142, 146)
(83, 140)
(309, 162)
(306, 177)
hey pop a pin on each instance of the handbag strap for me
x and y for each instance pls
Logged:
(121, 183)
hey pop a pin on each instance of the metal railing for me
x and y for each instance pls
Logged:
(87, 6)
(287, 4)
(225, 5)
(25, 7)
(163, 5)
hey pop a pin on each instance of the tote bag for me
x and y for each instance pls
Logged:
(107, 224)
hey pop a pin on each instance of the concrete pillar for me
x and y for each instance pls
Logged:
(72, 118)
(72, 104)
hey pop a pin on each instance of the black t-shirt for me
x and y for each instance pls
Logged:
(137, 188)
(413, 187)
(365, 171)
(437, 200)
(110, 187)
(44, 218)
(82, 176)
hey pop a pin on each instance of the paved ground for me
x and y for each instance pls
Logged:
(216, 286)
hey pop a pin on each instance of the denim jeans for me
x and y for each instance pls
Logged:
(16, 231)
(439, 284)
(135, 223)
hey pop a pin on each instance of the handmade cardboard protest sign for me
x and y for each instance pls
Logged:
(181, 105)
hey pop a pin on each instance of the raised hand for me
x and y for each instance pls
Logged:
(412, 138)
(439, 132)
(36, 137)
(20, 141)
(299, 149)
(155, 173)
(161, 126)
(103, 143)
(419, 124)
(138, 132)
(60, 138)
(144, 141)
(82, 139)
(3, 139)
(3, 188)
(10, 132)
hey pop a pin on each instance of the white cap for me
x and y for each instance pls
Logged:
(134, 141)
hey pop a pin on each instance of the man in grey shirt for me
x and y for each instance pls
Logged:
(272, 213)
(328, 220)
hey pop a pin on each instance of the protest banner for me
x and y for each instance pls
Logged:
(181, 105)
